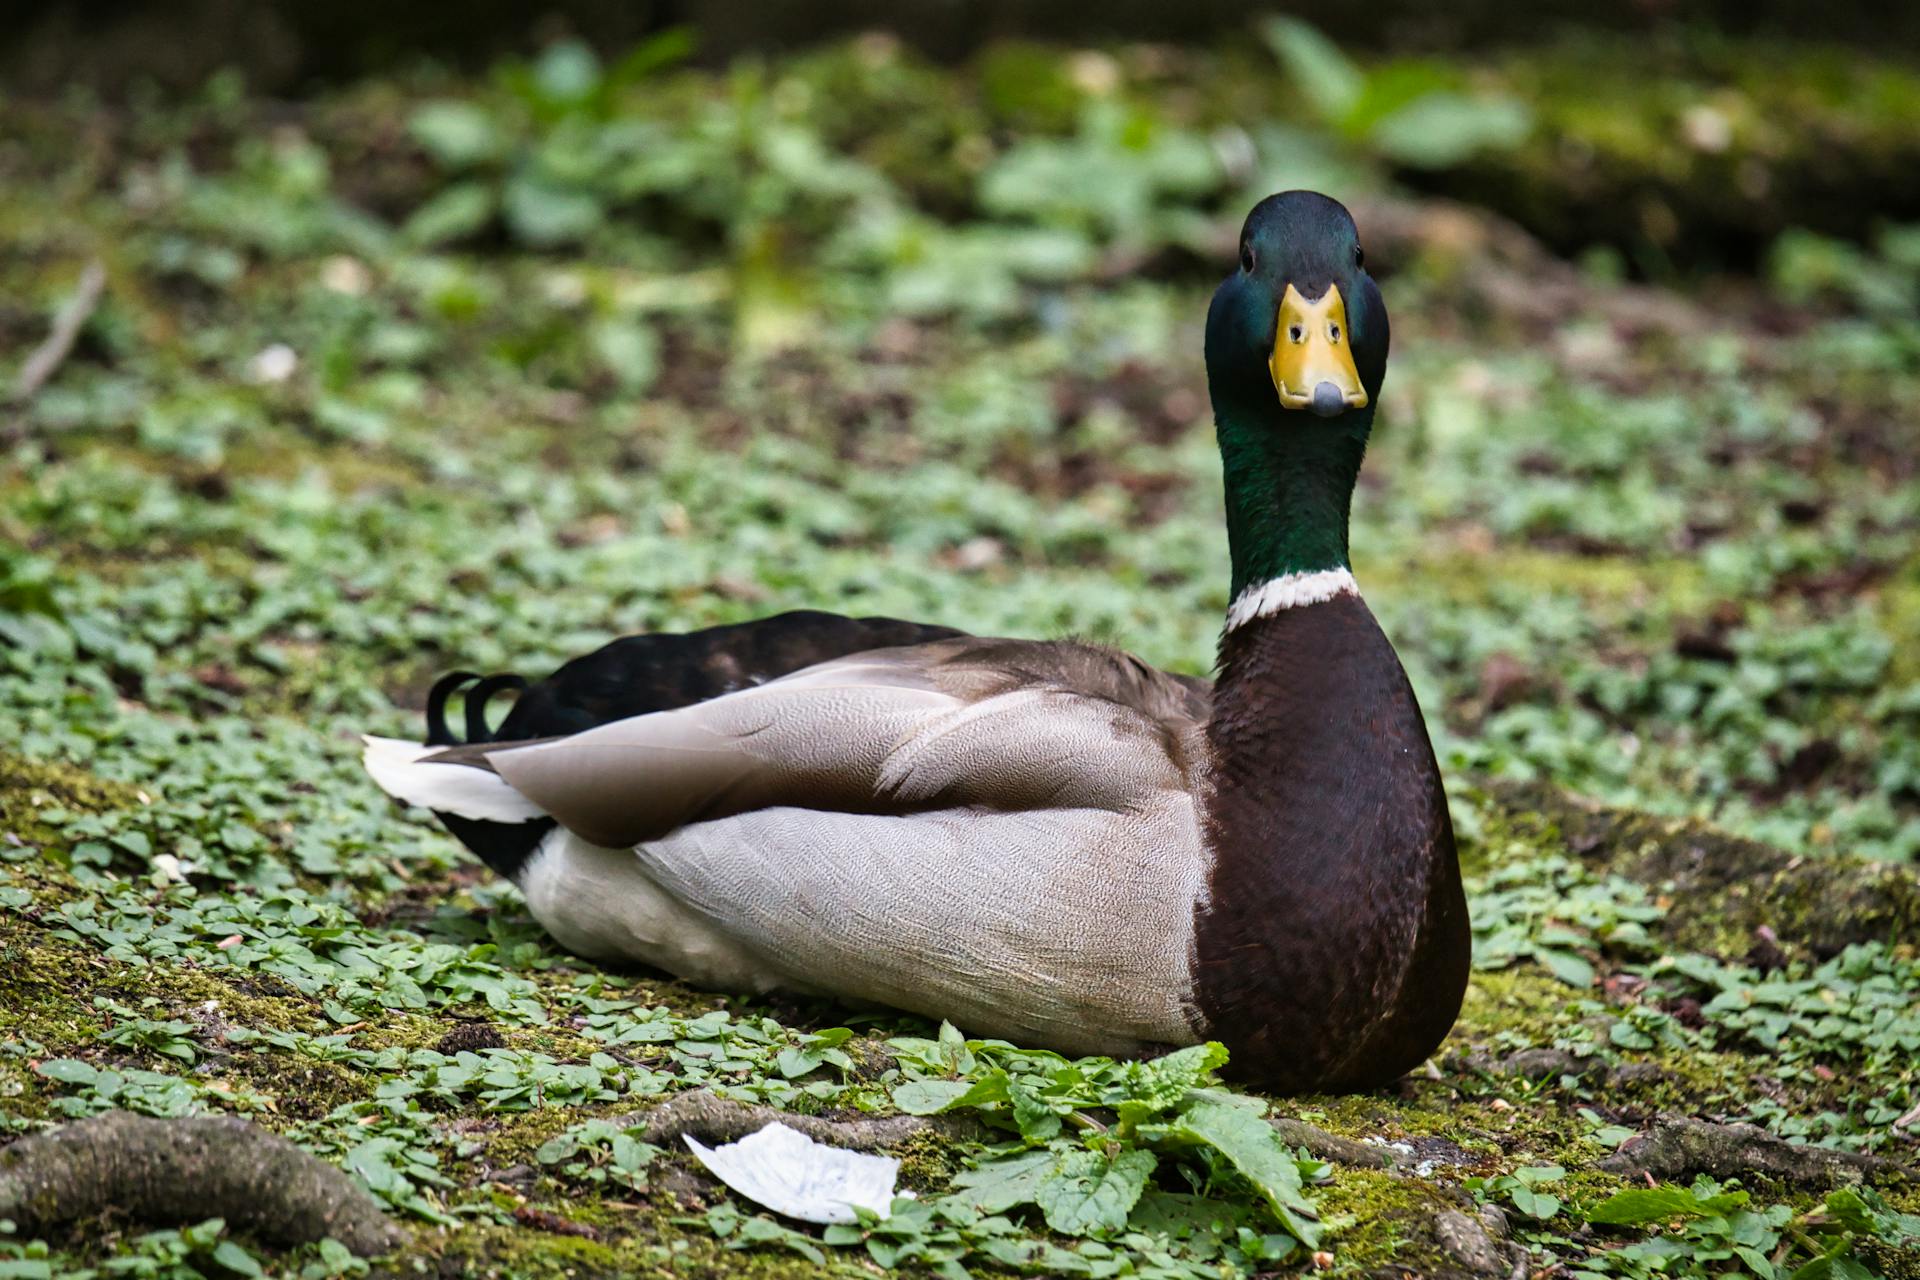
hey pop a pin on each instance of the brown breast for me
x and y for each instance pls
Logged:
(1332, 949)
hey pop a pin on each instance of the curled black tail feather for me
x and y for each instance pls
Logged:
(477, 728)
(504, 846)
(438, 734)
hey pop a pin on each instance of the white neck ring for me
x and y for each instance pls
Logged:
(1290, 591)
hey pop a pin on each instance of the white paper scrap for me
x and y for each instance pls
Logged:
(791, 1174)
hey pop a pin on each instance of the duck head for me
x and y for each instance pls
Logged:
(1300, 323)
(1296, 353)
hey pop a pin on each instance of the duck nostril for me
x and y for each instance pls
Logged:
(1296, 333)
(1333, 333)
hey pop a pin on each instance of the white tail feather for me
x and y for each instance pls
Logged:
(460, 789)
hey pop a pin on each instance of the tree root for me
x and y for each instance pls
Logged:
(712, 1118)
(1331, 1147)
(1678, 1147)
(186, 1169)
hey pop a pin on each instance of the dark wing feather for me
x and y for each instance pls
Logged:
(636, 675)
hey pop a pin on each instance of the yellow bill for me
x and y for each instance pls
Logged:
(1312, 362)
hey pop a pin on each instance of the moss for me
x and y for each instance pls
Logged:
(1469, 576)
(1721, 887)
(1382, 1220)
(1897, 606)
(50, 988)
(30, 788)
(655, 1243)
(927, 1162)
(515, 1138)
(45, 990)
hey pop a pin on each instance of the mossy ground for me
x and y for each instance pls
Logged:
(445, 373)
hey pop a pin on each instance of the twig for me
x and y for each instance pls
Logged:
(53, 352)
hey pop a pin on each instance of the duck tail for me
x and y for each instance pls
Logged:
(438, 734)
(473, 802)
(462, 785)
(477, 727)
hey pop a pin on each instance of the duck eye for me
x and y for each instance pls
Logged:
(1359, 256)
(1246, 258)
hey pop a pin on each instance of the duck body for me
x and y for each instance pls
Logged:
(1046, 841)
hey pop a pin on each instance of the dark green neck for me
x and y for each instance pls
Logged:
(1289, 480)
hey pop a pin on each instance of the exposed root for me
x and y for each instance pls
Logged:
(1678, 1147)
(715, 1119)
(1468, 1242)
(186, 1169)
(1547, 1064)
(1331, 1147)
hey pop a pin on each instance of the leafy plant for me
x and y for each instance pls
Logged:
(1521, 1189)
(1089, 1175)
(1711, 1229)
(1412, 113)
(600, 1151)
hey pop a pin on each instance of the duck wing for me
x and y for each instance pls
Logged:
(995, 724)
(658, 671)
(998, 832)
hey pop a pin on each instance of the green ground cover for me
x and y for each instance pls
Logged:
(447, 373)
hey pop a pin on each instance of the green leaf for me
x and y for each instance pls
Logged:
(567, 73)
(1535, 1204)
(1862, 1210)
(1834, 1267)
(630, 351)
(1441, 129)
(1036, 1119)
(236, 1259)
(1252, 1147)
(1328, 79)
(544, 214)
(1165, 1082)
(1642, 1205)
(458, 135)
(1566, 966)
(557, 1148)
(68, 1071)
(456, 213)
(930, 1097)
(1084, 1193)
(999, 1185)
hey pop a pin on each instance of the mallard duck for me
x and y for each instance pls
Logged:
(1047, 841)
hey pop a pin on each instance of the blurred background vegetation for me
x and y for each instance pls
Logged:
(398, 339)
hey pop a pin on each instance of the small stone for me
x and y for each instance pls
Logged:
(347, 275)
(273, 364)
